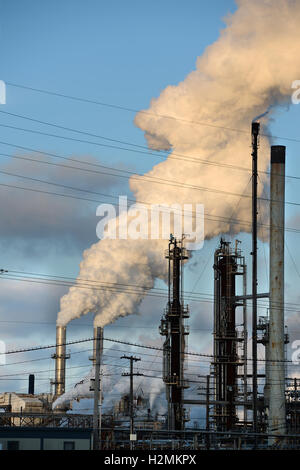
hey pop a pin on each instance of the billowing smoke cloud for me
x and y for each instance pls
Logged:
(113, 389)
(82, 390)
(247, 71)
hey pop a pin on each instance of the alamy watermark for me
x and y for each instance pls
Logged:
(296, 95)
(2, 353)
(296, 354)
(2, 92)
(153, 222)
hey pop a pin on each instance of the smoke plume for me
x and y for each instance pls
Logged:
(247, 71)
(82, 389)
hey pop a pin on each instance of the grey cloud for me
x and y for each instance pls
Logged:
(67, 222)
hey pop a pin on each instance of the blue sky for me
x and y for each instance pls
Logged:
(121, 53)
(124, 53)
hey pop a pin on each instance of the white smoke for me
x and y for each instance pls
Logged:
(113, 390)
(81, 390)
(153, 390)
(246, 71)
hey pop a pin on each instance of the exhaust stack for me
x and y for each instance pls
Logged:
(31, 384)
(60, 357)
(93, 357)
(275, 350)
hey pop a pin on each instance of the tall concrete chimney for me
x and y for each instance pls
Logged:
(60, 357)
(275, 351)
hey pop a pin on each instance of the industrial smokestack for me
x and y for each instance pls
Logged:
(82, 389)
(93, 357)
(276, 368)
(31, 384)
(60, 360)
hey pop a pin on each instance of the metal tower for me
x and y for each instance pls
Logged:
(172, 326)
(230, 344)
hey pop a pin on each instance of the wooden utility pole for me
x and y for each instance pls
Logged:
(131, 374)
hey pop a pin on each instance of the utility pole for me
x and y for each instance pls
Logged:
(132, 359)
(97, 391)
(207, 412)
(255, 132)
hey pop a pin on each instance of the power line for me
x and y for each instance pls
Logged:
(186, 353)
(208, 216)
(80, 352)
(149, 293)
(80, 325)
(174, 155)
(215, 218)
(191, 159)
(140, 176)
(160, 116)
(144, 176)
(97, 282)
(83, 286)
(115, 287)
(156, 348)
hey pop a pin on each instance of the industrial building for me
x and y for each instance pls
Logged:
(240, 414)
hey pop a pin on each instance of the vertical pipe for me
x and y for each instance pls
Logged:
(177, 339)
(276, 422)
(31, 385)
(216, 328)
(60, 360)
(98, 340)
(131, 401)
(245, 329)
(93, 356)
(167, 345)
(207, 412)
(267, 367)
(255, 132)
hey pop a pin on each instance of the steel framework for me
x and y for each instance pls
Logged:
(230, 344)
(172, 326)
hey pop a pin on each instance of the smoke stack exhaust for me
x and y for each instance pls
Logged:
(221, 79)
(60, 360)
(93, 357)
(276, 369)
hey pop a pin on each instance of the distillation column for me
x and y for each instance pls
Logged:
(228, 265)
(172, 326)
